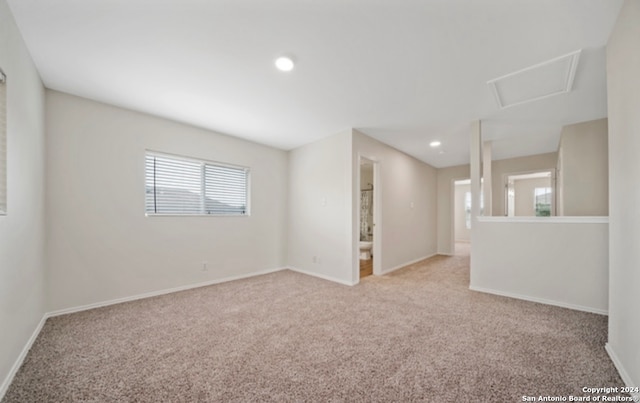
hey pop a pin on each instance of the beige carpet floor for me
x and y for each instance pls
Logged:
(418, 334)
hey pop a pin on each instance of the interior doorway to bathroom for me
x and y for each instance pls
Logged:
(368, 205)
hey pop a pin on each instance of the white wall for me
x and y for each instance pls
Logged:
(100, 245)
(323, 200)
(445, 216)
(408, 203)
(544, 260)
(320, 215)
(462, 233)
(22, 265)
(583, 175)
(555, 260)
(623, 65)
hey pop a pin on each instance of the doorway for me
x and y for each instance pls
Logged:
(530, 194)
(368, 210)
(461, 212)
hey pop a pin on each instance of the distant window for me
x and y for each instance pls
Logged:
(467, 209)
(187, 186)
(542, 201)
(3, 143)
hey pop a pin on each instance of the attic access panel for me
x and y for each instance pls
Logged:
(539, 81)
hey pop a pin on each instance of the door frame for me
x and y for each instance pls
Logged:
(377, 217)
(554, 188)
(452, 213)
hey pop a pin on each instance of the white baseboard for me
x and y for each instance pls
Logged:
(23, 354)
(541, 300)
(160, 292)
(322, 276)
(400, 266)
(16, 366)
(623, 373)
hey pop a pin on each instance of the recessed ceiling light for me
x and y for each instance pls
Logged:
(435, 144)
(284, 63)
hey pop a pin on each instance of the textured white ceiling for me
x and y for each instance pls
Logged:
(405, 72)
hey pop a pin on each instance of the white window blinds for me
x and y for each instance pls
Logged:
(3, 143)
(184, 186)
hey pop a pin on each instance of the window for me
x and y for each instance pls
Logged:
(185, 186)
(3, 143)
(467, 209)
(542, 201)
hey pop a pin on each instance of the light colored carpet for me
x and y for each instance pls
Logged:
(418, 334)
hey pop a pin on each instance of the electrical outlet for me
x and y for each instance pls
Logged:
(205, 266)
(314, 259)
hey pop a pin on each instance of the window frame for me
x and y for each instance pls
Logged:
(204, 163)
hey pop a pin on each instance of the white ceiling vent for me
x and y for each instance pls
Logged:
(540, 81)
